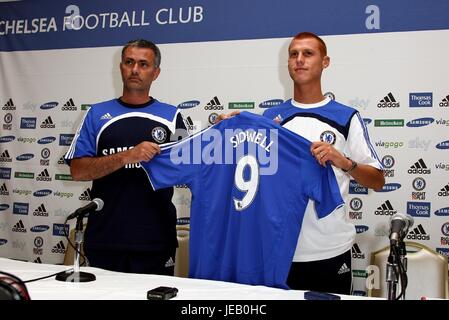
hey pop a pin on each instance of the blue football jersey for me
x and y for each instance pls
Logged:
(250, 181)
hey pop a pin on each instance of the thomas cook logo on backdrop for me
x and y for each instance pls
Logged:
(9, 105)
(445, 102)
(69, 106)
(20, 208)
(418, 233)
(388, 102)
(418, 209)
(420, 99)
(48, 123)
(214, 104)
(355, 188)
(5, 173)
(65, 139)
(60, 230)
(28, 123)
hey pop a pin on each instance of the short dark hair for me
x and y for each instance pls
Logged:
(142, 43)
(305, 35)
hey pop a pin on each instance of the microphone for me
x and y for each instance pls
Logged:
(399, 225)
(95, 205)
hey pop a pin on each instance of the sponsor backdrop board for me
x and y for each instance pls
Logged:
(388, 60)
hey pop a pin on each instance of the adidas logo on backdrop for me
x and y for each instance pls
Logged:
(445, 102)
(418, 233)
(388, 102)
(214, 104)
(9, 105)
(69, 106)
(47, 123)
(419, 167)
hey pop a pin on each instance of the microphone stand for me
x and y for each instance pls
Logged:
(76, 275)
(391, 273)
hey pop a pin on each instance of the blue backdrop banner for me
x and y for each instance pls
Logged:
(44, 24)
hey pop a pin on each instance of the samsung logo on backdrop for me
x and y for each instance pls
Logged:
(40, 228)
(46, 140)
(5, 139)
(4, 206)
(390, 187)
(361, 229)
(442, 212)
(188, 104)
(25, 156)
(421, 122)
(270, 103)
(443, 145)
(49, 105)
(42, 193)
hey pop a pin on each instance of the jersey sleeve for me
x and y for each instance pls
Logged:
(359, 147)
(172, 166)
(325, 191)
(84, 143)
